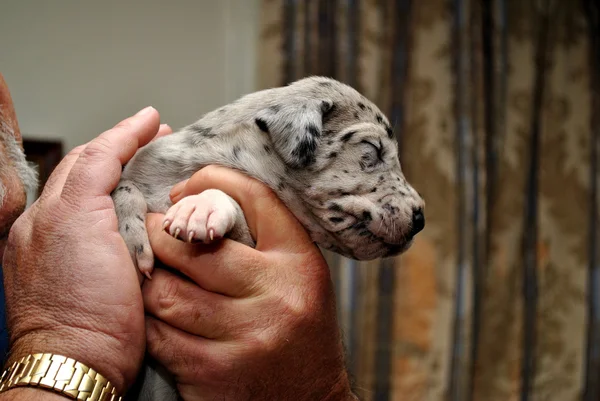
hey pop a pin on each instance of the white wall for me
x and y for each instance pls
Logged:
(76, 67)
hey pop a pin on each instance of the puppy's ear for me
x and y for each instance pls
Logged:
(295, 128)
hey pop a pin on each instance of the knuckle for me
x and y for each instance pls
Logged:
(168, 294)
(125, 125)
(99, 147)
(263, 343)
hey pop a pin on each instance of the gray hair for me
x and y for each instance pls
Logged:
(26, 171)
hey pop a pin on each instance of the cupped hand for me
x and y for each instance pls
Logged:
(235, 322)
(70, 285)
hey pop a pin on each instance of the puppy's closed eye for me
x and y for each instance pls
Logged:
(372, 151)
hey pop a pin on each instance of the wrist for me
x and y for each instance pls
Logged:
(30, 394)
(97, 351)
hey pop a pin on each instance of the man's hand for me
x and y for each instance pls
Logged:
(71, 287)
(245, 323)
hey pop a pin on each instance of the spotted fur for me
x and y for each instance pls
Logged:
(327, 151)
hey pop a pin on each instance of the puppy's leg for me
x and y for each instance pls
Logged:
(207, 217)
(131, 209)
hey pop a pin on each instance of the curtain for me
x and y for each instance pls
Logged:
(497, 112)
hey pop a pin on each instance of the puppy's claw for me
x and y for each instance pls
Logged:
(147, 274)
(176, 234)
(191, 236)
(211, 234)
(166, 224)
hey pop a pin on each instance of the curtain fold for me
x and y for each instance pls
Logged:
(495, 105)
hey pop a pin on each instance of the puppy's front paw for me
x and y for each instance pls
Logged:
(204, 217)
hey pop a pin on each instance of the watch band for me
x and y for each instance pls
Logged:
(60, 374)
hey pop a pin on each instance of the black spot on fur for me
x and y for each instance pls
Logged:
(313, 130)
(262, 124)
(336, 219)
(222, 110)
(381, 178)
(361, 105)
(361, 225)
(345, 193)
(348, 136)
(139, 249)
(199, 135)
(202, 131)
(332, 155)
(364, 233)
(325, 83)
(379, 118)
(335, 177)
(267, 149)
(374, 190)
(329, 142)
(327, 106)
(289, 126)
(126, 227)
(275, 108)
(123, 188)
(330, 113)
(389, 131)
(281, 186)
(392, 209)
(367, 215)
(335, 207)
(139, 217)
(356, 115)
(393, 188)
(305, 152)
(345, 171)
(236, 152)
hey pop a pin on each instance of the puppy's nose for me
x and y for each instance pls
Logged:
(418, 222)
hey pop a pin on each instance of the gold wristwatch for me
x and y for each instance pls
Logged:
(61, 375)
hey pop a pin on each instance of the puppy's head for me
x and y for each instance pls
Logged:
(342, 158)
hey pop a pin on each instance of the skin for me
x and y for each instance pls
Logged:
(15, 199)
(263, 318)
(256, 323)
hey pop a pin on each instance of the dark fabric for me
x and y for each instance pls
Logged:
(495, 104)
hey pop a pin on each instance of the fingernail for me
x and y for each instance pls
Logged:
(178, 189)
(163, 126)
(144, 111)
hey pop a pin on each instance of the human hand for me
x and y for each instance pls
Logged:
(70, 285)
(249, 323)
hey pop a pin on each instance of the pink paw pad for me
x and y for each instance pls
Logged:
(204, 217)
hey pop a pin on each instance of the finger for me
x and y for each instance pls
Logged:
(281, 230)
(185, 306)
(189, 358)
(56, 181)
(98, 169)
(226, 267)
(163, 130)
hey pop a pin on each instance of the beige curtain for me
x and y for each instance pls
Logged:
(494, 104)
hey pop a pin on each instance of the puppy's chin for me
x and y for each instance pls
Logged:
(371, 251)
